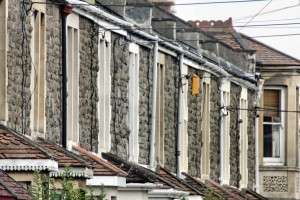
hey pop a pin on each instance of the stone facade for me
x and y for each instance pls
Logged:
(145, 104)
(214, 129)
(88, 90)
(19, 68)
(194, 128)
(119, 96)
(53, 74)
(251, 139)
(235, 94)
(170, 114)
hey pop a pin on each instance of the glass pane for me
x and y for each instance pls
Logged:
(271, 141)
(271, 103)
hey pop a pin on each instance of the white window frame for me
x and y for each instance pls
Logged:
(225, 89)
(184, 140)
(244, 137)
(38, 71)
(205, 126)
(73, 68)
(3, 60)
(133, 92)
(280, 160)
(104, 88)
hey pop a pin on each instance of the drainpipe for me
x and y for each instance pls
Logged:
(221, 132)
(258, 95)
(153, 112)
(65, 11)
(178, 146)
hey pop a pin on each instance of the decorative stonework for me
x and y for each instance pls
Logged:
(275, 183)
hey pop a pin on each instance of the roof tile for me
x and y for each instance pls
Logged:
(10, 188)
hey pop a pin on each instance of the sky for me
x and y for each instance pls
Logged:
(267, 13)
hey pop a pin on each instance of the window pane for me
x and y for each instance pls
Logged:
(272, 103)
(271, 140)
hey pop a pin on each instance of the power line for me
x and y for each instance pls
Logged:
(157, 4)
(256, 15)
(274, 20)
(268, 12)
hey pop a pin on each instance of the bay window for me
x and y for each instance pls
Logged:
(273, 125)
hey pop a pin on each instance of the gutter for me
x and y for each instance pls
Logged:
(65, 11)
(153, 112)
(166, 193)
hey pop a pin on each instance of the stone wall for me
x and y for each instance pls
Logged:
(88, 90)
(19, 68)
(119, 96)
(251, 139)
(214, 129)
(145, 104)
(234, 131)
(170, 111)
(194, 128)
(53, 74)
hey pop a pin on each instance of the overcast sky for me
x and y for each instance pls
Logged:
(280, 12)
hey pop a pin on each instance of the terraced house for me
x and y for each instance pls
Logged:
(124, 96)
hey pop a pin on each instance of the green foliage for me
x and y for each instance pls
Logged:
(208, 195)
(43, 188)
(184, 198)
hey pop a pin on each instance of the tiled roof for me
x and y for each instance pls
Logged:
(100, 167)
(229, 40)
(200, 186)
(139, 174)
(136, 173)
(269, 56)
(12, 189)
(178, 182)
(16, 146)
(63, 156)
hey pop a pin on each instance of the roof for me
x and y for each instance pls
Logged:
(19, 153)
(267, 55)
(139, 174)
(9, 188)
(178, 182)
(228, 192)
(78, 166)
(63, 156)
(100, 166)
(136, 173)
(16, 146)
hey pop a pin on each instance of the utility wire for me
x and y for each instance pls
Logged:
(256, 15)
(268, 12)
(274, 20)
(157, 4)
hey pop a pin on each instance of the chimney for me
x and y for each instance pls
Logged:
(138, 12)
(213, 26)
(167, 5)
(165, 26)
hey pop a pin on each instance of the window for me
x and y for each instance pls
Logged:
(3, 60)
(38, 71)
(159, 137)
(73, 78)
(184, 121)
(104, 85)
(133, 118)
(273, 125)
(243, 120)
(225, 135)
(205, 125)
